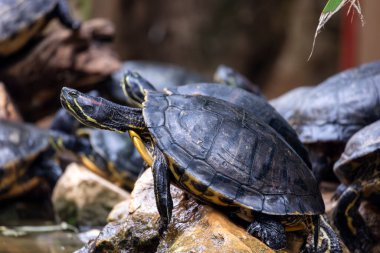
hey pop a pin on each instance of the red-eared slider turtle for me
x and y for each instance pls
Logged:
(333, 111)
(109, 154)
(163, 74)
(216, 152)
(134, 85)
(21, 20)
(358, 169)
(26, 157)
(231, 77)
(286, 103)
(113, 156)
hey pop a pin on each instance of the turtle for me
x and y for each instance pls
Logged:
(22, 20)
(358, 169)
(219, 154)
(110, 155)
(330, 113)
(229, 76)
(166, 75)
(286, 103)
(113, 156)
(26, 157)
(133, 85)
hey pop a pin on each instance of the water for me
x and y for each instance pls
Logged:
(52, 242)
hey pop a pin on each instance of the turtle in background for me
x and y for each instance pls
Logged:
(165, 75)
(358, 169)
(21, 20)
(330, 113)
(134, 86)
(27, 157)
(287, 102)
(196, 142)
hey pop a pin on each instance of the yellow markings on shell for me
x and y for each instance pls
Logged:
(349, 218)
(141, 148)
(21, 188)
(210, 194)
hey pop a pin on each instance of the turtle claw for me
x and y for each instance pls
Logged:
(271, 232)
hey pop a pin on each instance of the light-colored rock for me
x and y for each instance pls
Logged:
(83, 198)
(119, 212)
(194, 228)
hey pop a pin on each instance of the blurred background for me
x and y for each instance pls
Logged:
(269, 41)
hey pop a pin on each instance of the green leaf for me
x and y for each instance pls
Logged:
(332, 6)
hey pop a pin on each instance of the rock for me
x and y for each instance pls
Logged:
(194, 227)
(119, 212)
(7, 108)
(61, 57)
(83, 198)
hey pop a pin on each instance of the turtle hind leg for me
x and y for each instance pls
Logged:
(63, 13)
(162, 194)
(269, 231)
(350, 224)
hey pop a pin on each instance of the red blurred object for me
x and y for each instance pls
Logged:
(349, 39)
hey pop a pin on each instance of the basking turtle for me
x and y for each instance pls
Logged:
(133, 86)
(330, 113)
(216, 152)
(21, 20)
(113, 156)
(286, 103)
(231, 77)
(165, 76)
(110, 155)
(358, 169)
(26, 157)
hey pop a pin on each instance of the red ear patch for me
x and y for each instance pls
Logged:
(91, 101)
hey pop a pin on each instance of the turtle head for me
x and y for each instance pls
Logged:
(231, 77)
(100, 113)
(134, 86)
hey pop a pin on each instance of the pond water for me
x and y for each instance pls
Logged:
(52, 242)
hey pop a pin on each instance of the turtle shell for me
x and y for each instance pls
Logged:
(254, 105)
(224, 156)
(362, 152)
(118, 149)
(340, 106)
(24, 18)
(163, 75)
(286, 103)
(20, 144)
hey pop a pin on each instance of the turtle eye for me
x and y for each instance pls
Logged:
(73, 94)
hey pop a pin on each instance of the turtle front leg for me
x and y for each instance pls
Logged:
(350, 224)
(63, 13)
(161, 180)
(268, 230)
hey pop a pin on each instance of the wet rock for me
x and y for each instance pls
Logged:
(85, 199)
